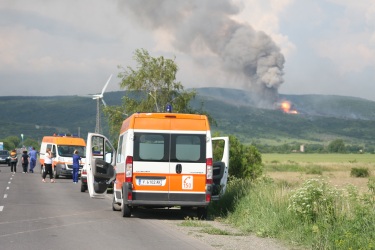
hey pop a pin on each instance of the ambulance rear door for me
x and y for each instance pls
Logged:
(151, 167)
(188, 156)
(220, 148)
(100, 162)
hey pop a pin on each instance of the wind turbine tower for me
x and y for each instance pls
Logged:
(98, 98)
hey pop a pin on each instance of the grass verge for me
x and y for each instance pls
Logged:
(314, 215)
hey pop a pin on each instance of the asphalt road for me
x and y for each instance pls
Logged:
(36, 215)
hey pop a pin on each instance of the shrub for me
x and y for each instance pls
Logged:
(314, 170)
(359, 172)
(314, 199)
(235, 190)
(371, 185)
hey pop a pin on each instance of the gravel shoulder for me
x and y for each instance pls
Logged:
(235, 240)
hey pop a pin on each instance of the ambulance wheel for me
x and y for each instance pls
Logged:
(115, 206)
(125, 209)
(83, 188)
(55, 174)
(202, 213)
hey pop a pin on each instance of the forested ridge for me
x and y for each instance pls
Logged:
(320, 118)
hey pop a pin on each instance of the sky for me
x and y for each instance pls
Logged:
(264, 47)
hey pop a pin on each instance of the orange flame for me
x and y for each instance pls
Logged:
(286, 107)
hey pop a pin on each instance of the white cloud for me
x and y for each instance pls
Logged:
(265, 16)
(350, 45)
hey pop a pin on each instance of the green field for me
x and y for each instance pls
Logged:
(319, 158)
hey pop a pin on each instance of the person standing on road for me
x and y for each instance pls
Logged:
(13, 161)
(76, 163)
(33, 156)
(48, 166)
(25, 161)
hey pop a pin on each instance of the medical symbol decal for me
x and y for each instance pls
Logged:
(187, 182)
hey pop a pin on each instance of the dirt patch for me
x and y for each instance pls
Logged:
(233, 240)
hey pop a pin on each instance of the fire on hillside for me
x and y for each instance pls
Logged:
(287, 107)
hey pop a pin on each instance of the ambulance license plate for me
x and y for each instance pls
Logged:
(149, 182)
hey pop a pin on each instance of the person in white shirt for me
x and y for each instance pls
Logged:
(48, 166)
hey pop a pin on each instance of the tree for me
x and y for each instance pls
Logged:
(253, 167)
(244, 161)
(149, 88)
(29, 142)
(336, 146)
(12, 142)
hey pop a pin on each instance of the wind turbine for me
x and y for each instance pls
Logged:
(99, 97)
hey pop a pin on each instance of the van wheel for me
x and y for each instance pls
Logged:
(115, 205)
(202, 213)
(41, 170)
(125, 209)
(83, 188)
(55, 174)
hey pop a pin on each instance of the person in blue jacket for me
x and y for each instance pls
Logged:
(76, 163)
(33, 156)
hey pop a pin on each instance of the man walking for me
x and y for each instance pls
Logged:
(33, 156)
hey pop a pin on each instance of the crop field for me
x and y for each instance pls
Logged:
(320, 158)
(336, 168)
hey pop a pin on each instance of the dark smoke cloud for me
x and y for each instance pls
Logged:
(241, 51)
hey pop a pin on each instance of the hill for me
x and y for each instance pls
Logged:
(320, 118)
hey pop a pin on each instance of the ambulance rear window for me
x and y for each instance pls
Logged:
(170, 147)
(151, 146)
(188, 148)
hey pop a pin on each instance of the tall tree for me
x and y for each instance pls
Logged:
(149, 88)
(337, 146)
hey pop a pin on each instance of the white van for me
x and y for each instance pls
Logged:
(163, 160)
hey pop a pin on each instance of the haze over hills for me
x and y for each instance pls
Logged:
(319, 119)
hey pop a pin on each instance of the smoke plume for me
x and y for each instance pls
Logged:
(241, 51)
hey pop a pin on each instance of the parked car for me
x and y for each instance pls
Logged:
(4, 157)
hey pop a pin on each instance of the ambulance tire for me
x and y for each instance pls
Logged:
(55, 174)
(202, 213)
(115, 206)
(83, 188)
(41, 170)
(125, 209)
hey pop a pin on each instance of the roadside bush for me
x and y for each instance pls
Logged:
(371, 185)
(235, 190)
(314, 170)
(314, 199)
(359, 172)
(315, 215)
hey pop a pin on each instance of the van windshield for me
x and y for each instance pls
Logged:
(68, 150)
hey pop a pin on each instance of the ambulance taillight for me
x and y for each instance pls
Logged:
(209, 171)
(208, 197)
(129, 169)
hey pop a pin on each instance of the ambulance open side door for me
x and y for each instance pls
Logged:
(100, 162)
(220, 147)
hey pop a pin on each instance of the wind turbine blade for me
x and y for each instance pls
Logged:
(105, 104)
(105, 86)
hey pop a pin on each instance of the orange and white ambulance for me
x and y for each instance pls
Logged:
(162, 160)
(62, 148)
